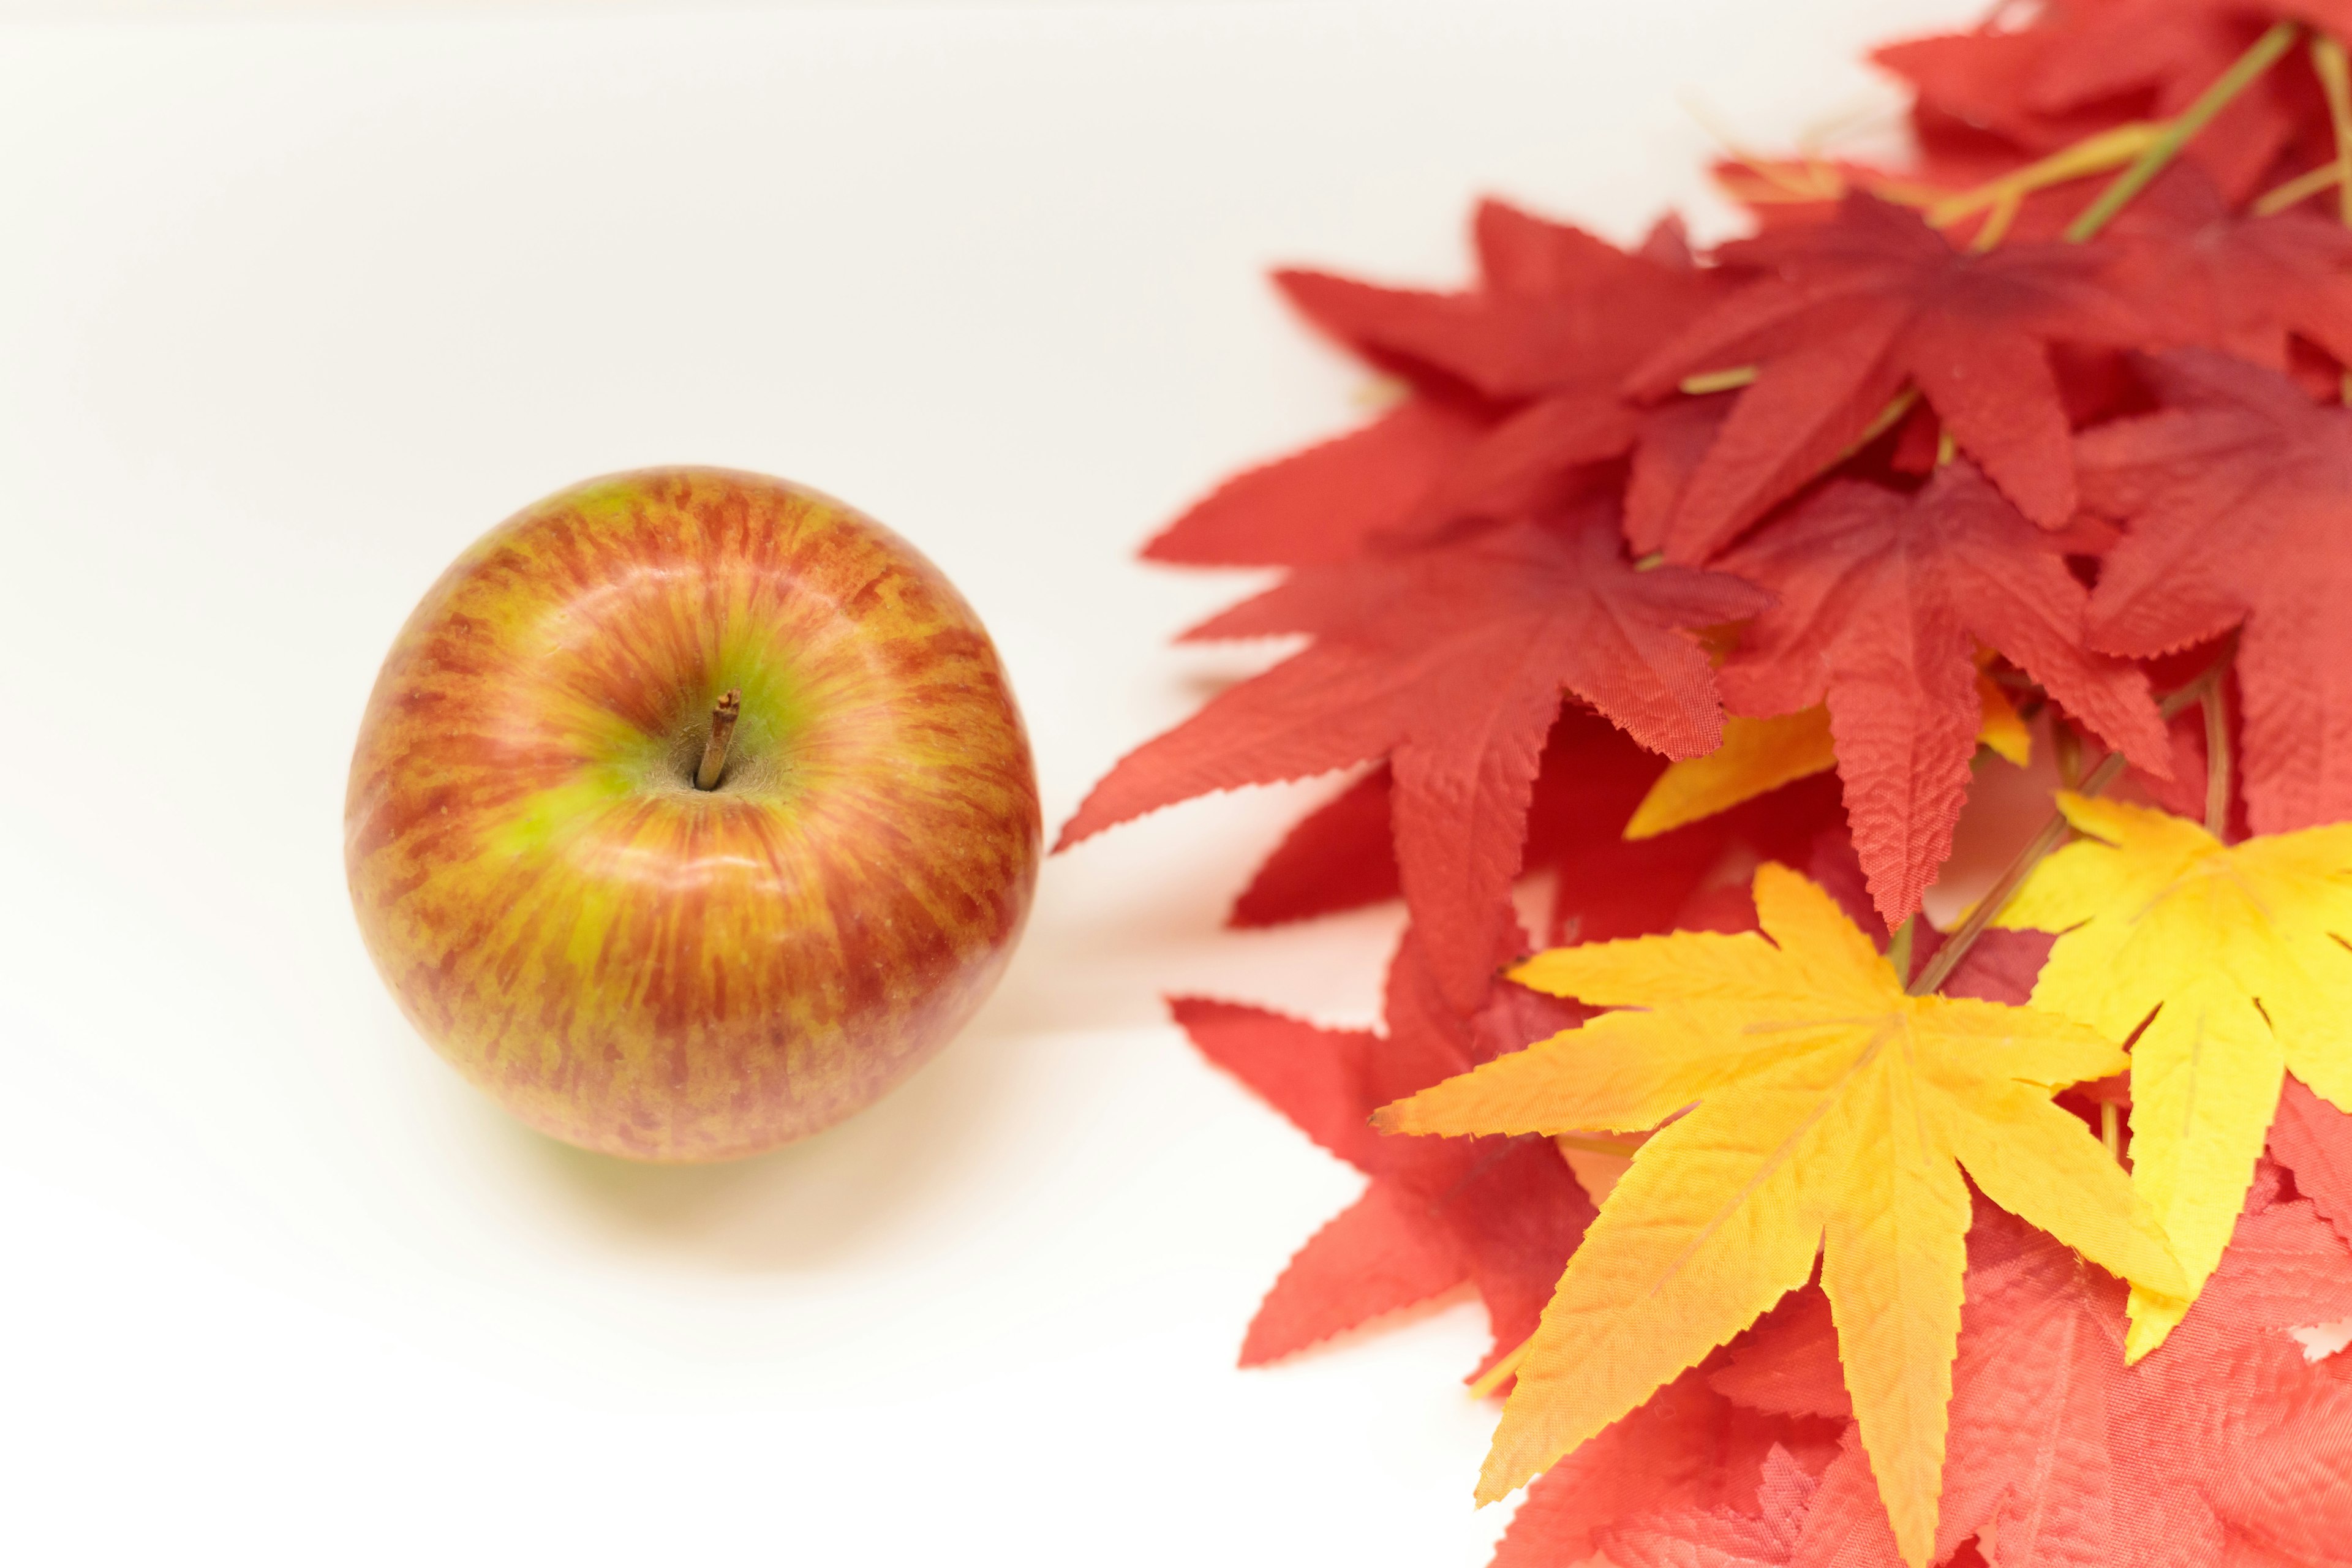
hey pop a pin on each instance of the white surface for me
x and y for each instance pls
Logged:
(290, 310)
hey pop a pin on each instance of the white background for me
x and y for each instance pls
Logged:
(291, 307)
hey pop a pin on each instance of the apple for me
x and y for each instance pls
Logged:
(633, 962)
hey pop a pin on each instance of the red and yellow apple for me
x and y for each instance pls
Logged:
(631, 962)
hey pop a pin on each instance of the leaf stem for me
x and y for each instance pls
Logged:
(1708, 381)
(2329, 65)
(1995, 227)
(2178, 133)
(2335, 74)
(2013, 876)
(2308, 184)
(1899, 948)
(1495, 1375)
(2095, 154)
(1881, 423)
(2217, 758)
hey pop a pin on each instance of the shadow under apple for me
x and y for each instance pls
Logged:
(812, 1205)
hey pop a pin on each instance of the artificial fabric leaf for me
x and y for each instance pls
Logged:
(2238, 952)
(1847, 313)
(1556, 310)
(1517, 385)
(2202, 275)
(1694, 1537)
(1499, 1214)
(1760, 756)
(1381, 1254)
(1981, 79)
(1451, 664)
(2224, 1445)
(1827, 1113)
(2095, 63)
(1788, 1363)
(1323, 504)
(1342, 855)
(1884, 599)
(1558, 319)
(1687, 1447)
(2313, 1140)
(1676, 436)
(2237, 502)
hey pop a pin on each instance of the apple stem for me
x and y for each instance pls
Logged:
(722, 730)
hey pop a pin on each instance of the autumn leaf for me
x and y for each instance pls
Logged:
(1515, 382)
(1452, 665)
(2203, 275)
(1341, 856)
(2313, 1140)
(2237, 502)
(1846, 314)
(1723, 1537)
(1830, 1114)
(1687, 1447)
(1322, 505)
(1884, 600)
(2222, 1448)
(2236, 951)
(1760, 756)
(2086, 66)
(1556, 310)
(1502, 1215)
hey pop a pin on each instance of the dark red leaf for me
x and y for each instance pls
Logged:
(1340, 856)
(1884, 599)
(1591, 777)
(2203, 275)
(1849, 312)
(2091, 64)
(1451, 664)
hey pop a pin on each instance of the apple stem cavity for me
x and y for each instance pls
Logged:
(714, 749)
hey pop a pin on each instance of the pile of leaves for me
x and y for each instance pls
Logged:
(1698, 589)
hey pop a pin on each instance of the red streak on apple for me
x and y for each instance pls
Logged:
(639, 967)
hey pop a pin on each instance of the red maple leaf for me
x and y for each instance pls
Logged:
(1686, 1448)
(1556, 309)
(2224, 1446)
(1884, 599)
(2203, 275)
(1591, 777)
(1325, 503)
(1502, 1213)
(1851, 311)
(1451, 664)
(2313, 1140)
(2090, 64)
(1694, 1537)
(1515, 388)
(2237, 502)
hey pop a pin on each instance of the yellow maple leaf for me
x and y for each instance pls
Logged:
(1828, 1113)
(1760, 756)
(2235, 951)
